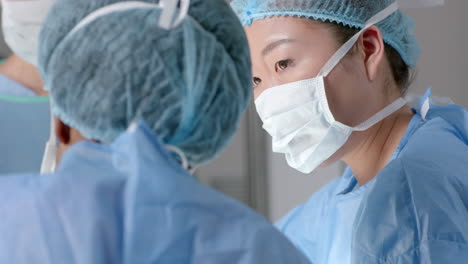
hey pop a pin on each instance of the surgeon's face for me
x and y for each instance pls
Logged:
(286, 49)
(289, 49)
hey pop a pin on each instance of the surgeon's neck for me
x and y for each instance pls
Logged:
(378, 145)
(24, 73)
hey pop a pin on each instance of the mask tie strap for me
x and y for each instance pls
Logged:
(171, 148)
(50, 153)
(181, 155)
(336, 58)
(381, 115)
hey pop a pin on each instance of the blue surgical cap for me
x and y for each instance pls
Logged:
(397, 29)
(190, 84)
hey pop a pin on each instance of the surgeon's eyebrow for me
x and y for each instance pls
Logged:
(275, 44)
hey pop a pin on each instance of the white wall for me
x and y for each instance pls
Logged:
(229, 172)
(443, 36)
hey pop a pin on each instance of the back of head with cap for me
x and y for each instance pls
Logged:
(191, 84)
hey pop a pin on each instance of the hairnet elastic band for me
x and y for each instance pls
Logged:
(168, 7)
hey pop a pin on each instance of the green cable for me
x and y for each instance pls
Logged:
(25, 99)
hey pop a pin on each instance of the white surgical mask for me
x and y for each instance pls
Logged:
(298, 117)
(21, 24)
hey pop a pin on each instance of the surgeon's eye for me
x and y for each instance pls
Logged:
(256, 81)
(282, 65)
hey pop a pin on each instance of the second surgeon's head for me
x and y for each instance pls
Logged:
(190, 84)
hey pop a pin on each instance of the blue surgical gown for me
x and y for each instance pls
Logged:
(130, 202)
(417, 209)
(414, 211)
(25, 128)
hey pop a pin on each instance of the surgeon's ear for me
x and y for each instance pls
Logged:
(62, 131)
(372, 49)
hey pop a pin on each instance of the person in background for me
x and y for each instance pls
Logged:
(329, 79)
(22, 76)
(24, 113)
(140, 100)
(23, 101)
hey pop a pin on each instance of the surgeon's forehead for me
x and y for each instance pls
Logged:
(288, 30)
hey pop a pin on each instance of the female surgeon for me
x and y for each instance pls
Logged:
(329, 77)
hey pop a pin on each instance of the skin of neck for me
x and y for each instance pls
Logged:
(67, 137)
(24, 73)
(375, 147)
(369, 152)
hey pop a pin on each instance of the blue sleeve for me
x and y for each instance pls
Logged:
(285, 220)
(91, 218)
(17, 212)
(45, 219)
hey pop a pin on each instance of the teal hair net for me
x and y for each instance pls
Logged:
(190, 84)
(397, 29)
